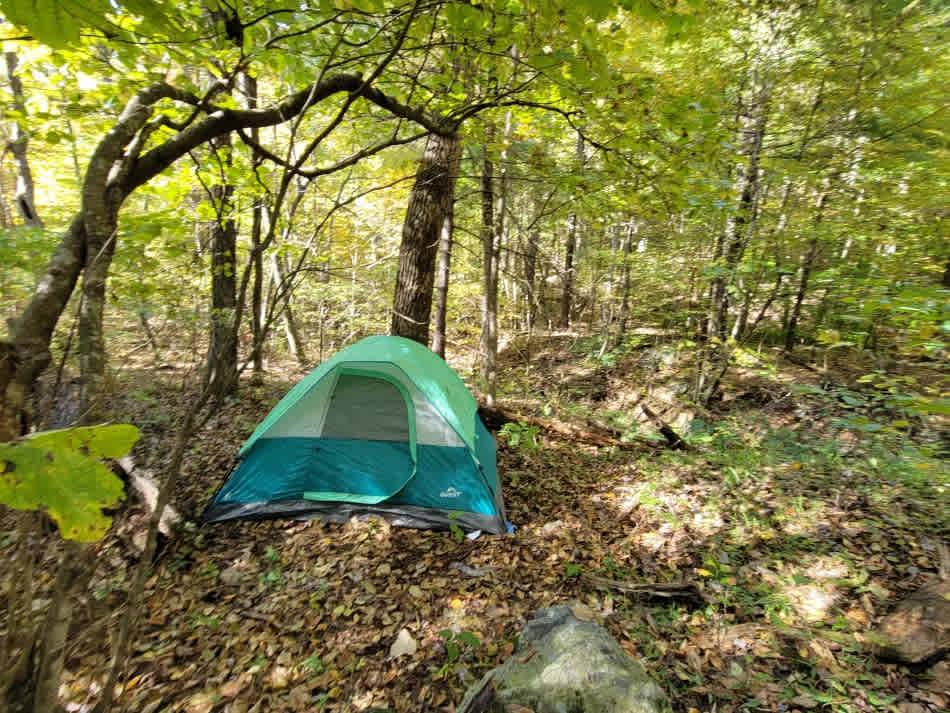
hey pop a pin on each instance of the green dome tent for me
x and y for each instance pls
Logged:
(383, 427)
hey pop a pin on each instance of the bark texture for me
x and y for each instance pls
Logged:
(24, 198)
(489, 338)
(570, 247)
(808, 261)
(442, 272)
(429, 203)
(221, 376)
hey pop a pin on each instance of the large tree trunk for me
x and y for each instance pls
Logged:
(103, 193)
(221, 375)
(92, 343)
(28, 355)
(18, 142)
(429, 203)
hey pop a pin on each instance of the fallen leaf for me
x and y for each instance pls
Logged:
(804, 701)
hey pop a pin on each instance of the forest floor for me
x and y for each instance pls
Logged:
(791, 526)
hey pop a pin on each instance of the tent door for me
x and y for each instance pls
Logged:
(369, 432)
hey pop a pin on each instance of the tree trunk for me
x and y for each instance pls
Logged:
(249, 86)
(530, 258)
(18, 143)
(739, 326)
(493, 230)
(442, 272)
(570, 246)
(74, 573)
(488, 372)
(92, 343)
(221, 375)
(627, 251)
(808, 260)
(294, 342)
(429, 203)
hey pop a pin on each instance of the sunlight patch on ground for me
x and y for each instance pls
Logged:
(809, 588)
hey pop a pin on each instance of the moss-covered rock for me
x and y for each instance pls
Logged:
(566, 665)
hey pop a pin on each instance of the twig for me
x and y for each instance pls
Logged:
(663, 590)
(482, 699)
(136, 589)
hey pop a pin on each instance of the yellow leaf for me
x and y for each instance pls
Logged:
(456, 604)
(704, 572)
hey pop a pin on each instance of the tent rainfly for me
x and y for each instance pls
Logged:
(383, 427)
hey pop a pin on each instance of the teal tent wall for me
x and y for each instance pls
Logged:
(383, 427)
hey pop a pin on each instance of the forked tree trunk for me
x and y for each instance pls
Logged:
(429, 203)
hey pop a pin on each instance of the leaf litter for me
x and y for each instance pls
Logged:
(794, 560)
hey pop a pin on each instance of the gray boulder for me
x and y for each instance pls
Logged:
(566, 665)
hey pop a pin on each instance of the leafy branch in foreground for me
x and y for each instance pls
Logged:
(61, 473)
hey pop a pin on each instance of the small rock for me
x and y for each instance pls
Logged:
(279, 677)
(938, 678)
(404, 644)
(919, 627)
(231, 576)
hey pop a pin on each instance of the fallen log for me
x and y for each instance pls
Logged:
(672, 437)
(662, 590)
(495, 417)
(482, 699)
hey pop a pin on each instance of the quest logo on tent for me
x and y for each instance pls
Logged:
(450, 492)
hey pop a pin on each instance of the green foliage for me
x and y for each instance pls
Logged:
(572, 569)
(456, 645)
(60, 473)
(273, 575)
(457, 532)
(59, 23)
(521, 437)
(313, 665)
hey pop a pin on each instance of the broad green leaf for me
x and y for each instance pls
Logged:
(68, 486)
(94, 441)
